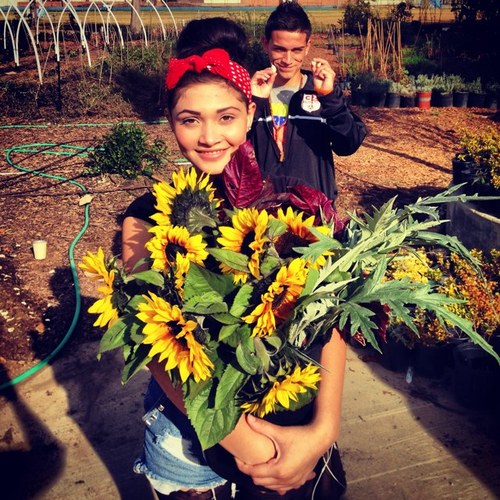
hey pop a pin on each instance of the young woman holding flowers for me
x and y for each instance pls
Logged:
(210, 109)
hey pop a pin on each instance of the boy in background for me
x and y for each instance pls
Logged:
(301, 117)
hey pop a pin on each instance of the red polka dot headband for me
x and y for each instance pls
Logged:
(216, 61)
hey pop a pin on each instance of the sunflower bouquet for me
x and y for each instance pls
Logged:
(241, 290)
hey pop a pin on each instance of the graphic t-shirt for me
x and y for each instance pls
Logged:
(279, 102)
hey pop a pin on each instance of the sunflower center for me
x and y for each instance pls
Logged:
(184, 202)
(172, 249)
(245, 244)
(175, 330)
(287, 242)
(278, 299)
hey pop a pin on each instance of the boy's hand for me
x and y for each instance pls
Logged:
(323, 76)
(262, 82)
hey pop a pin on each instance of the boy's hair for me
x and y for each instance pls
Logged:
(288, 16)
(200, 35)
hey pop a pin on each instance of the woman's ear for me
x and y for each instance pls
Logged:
(251, 112)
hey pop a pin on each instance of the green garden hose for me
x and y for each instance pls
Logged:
(70, 151)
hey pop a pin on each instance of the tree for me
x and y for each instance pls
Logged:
(135, 20)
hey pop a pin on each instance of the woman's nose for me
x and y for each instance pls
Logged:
(209, 134)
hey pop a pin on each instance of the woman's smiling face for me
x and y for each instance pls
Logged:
(210, 122)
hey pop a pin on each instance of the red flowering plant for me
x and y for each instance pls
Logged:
(241, 289)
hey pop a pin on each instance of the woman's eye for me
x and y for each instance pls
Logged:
(188, 121)
(227, 118)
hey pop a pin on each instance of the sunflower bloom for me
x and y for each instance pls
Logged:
(174, 247)
(298, 235)
(97, 269)
(279, 300)
(172, 338)
(246, 236)
(286, 390)
(187, 189)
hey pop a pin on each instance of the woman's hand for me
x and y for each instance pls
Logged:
(298, 450)
(323, 76)
(262, 82)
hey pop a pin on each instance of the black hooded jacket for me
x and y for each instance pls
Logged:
(317, 125)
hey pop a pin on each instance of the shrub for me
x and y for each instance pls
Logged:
(356, 16)
(484, 150)
(480, 292)
(125, 151)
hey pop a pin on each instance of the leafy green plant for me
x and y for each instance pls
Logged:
(453, 276)
(484, 150)
(125, 151)
(445, 83)
(357, 13)
(424, 83)
(474, 85)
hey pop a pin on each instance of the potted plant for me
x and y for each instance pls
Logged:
(408, 92)
(460, 93)
(429, 340)
(424, 85)
(393, 97)
(477, 299)
(475, 379)
(478, 165)
(378, 89)
(360, 88)
(492, 93)
(443, 90)
(477, 96)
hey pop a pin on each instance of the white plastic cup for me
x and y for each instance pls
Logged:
(40, 249)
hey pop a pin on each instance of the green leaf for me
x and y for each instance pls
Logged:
(231, 382)
(206, 303)
(150, 276)
(200, 281)
(262, 354)
(136, 358)
(247, 357)
(242, 301)
(211, 424)
(115, 336)
(234, 260)
(269, 264)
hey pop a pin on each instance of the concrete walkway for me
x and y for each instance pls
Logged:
(72, 432)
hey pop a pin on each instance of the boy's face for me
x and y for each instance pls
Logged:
(287, 51)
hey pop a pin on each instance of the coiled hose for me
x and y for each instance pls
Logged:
(68, 150)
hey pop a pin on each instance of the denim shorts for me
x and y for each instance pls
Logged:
(172, 457)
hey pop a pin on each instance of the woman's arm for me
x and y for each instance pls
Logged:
(244, 443)
(300, 447)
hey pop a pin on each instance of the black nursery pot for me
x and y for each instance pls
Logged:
(377, 99)
(475, 377)
(491, 101)
(460, 99)
(395, 356)
(392, 100)
(407, 101)
(462, 170)
(477, 100)
(360, 98)
(443, 99)
(430, 361)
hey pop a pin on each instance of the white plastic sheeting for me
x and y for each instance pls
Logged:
(17, 19)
